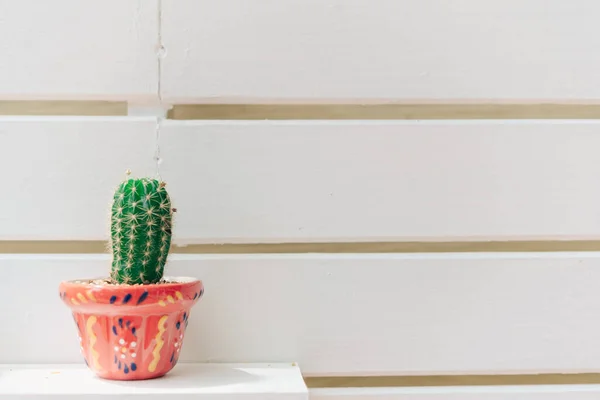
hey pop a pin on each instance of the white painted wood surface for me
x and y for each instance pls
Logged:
(294, 181)
(301, 50)
(61, 173)
(71, 49)
(184, 382)
(383, 180)
(364, 51)
(312, 181)
(345, 314)
(533, 392)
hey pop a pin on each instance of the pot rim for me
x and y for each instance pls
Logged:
(86, 294)
(175, 281)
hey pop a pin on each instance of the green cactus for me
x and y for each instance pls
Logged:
(140, 231)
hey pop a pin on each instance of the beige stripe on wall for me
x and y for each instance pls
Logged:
(313, 111)
(384, 111)
(453, 380)
(63, 108)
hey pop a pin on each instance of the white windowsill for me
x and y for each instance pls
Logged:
(184, 382)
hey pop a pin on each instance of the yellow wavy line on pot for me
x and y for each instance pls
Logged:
(170, 299)
(74, 301)
(90, 331)
(81, 298)
(159, 343)
(90, 295)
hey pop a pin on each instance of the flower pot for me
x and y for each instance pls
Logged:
(131, 332)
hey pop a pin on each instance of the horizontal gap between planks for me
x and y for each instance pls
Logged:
(93, 247)
(64, 108)
(452, 380)
(382, 111)
(313, 111)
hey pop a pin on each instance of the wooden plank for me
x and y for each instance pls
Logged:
(306, 182)
(559, 392)
(378, 51)
(184, 382)
(60, 172)
(74, 50)
(345, 181)
(345, 315)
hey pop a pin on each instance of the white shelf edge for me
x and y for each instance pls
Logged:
(185, 382)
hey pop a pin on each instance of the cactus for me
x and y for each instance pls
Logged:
(141, 219)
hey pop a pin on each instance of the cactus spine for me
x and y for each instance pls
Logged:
(141, 219)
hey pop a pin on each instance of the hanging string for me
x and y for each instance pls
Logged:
(160, 54)
(157, 158)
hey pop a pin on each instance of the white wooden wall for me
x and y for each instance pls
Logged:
(319, 181)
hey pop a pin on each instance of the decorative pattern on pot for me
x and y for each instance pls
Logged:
(132, 325)
(132, 339)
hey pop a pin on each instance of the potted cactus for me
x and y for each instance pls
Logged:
(131, 325)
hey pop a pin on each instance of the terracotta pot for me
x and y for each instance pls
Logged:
(131, 332)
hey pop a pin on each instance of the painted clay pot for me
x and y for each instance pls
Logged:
(131, 332)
